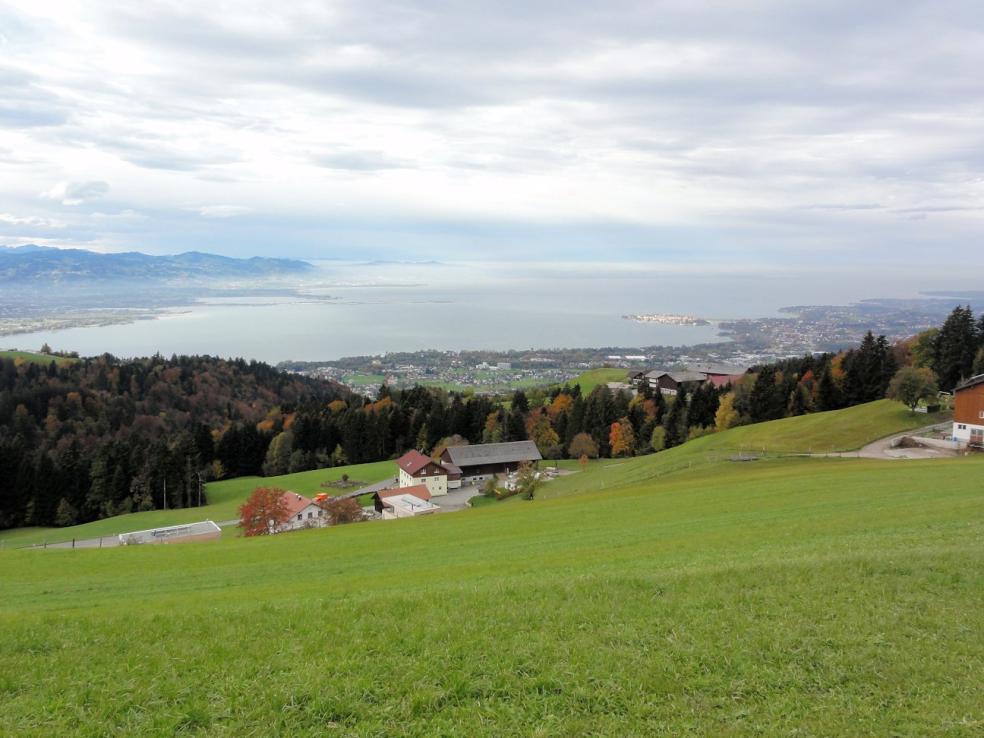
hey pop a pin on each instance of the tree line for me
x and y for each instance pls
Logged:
(98, 437)
(87, 439)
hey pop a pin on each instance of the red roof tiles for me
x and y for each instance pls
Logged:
(294, 503)
(419, 491)
(413, 461)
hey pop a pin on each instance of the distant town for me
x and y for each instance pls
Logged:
(745, 342)
(667, 319)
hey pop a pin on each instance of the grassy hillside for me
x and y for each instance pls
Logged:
(32, 357)
(592, 378)
(224, 499)
(839, 430)
(835, 431)
(806, 596)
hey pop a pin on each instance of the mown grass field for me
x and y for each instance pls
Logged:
(224, 499)
(837, 430)
(794, 597)
(33, 357)
(820, 433)
(593, 377)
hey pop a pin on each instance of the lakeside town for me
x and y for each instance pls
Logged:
(745, 342)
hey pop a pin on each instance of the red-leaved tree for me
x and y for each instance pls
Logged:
(342, 510)
(263, 512)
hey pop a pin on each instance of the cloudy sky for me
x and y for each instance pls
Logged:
(767, 132)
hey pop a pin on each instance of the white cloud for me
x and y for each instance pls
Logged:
(77, 193)
(733, 122)
(222, 211)
(33, 221)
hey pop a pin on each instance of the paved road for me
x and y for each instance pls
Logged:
(887, 448)
(385, 484)
(456, 499)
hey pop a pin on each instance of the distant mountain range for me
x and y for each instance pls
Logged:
(31, 263)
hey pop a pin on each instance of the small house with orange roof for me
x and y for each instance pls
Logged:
(301, 513)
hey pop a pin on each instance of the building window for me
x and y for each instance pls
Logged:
(310, 515)
(300, 516)
(982, 415)
(961, 426)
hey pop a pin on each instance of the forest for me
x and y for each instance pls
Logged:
(87, 439)
(99, 437)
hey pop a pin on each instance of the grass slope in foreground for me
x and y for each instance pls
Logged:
(224, 499)
(800, 596)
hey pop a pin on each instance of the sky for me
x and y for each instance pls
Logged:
(689, 133)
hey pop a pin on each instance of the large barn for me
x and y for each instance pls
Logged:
(968, 413)
(480, 462)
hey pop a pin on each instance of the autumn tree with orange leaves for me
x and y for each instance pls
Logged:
(621, 438)
(263, 512)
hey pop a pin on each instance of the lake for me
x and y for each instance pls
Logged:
(349, 309)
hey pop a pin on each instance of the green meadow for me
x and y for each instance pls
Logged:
(680, 594)
(33, 357)
(224, 499)
(593, 377)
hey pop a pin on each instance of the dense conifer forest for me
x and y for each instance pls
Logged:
(86, 439)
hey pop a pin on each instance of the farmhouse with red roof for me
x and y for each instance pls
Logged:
(301, 513)
(417, 468)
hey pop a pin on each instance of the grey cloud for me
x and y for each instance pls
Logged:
(77, 193)
(929, 209)
(360, 161)
(844, 206)
(150, 151)
(25, 104)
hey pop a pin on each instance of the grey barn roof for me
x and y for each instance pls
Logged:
(681, 376)
(972, 382)
(726, 369)
(493, 453)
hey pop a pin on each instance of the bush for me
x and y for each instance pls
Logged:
(343, 510)
(658, 441)
(583, 445)
(697, 432)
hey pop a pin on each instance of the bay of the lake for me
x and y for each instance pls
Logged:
(349, 309)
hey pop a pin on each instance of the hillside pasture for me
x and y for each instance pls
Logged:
(34, 357)
(835, 431)
(593, 377)
(804, 596)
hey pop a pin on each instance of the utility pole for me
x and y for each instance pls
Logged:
(199, 488)
(165, 493)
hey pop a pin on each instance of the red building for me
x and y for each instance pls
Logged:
(968, 413)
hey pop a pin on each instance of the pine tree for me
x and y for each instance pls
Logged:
(675, 422)
(520, 401)
(828, 396)
(515, 425)
(797, 402)
(978, 367)
(955, 348)
(767, 401)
